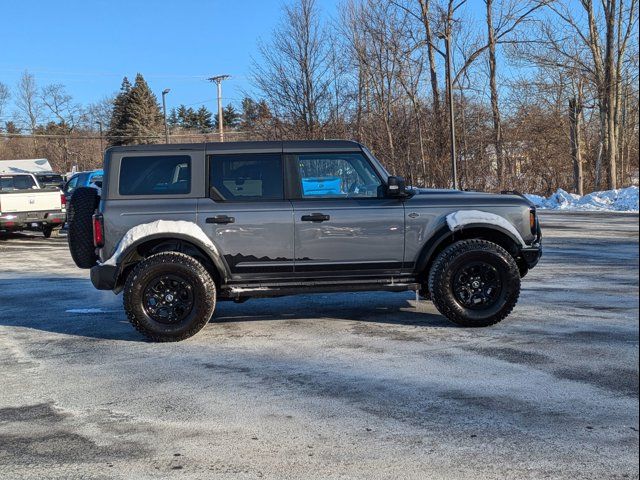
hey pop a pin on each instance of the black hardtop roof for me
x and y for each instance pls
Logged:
(265, 146)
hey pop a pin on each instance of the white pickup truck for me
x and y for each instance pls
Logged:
(26, 206)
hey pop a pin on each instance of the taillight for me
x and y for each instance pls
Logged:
(98, 230)
(63, 201)
(532, 221)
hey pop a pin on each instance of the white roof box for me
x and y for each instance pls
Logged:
(34, 165)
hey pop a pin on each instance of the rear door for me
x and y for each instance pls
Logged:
(344, 225)
(246, 215)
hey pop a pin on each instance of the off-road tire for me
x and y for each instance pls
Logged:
(49, 232)
(454, 257)
(82, 206)
(204, 296)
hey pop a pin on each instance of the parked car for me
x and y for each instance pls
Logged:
(82, 179)
(26, 206)
(179, 227)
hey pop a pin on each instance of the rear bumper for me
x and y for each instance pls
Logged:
(104, 277)
(23, 220)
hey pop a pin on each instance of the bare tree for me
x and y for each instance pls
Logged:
(4, 98)
(29, 108)
(575, 135)
(66, 116)
(295, 74)
(603, 61)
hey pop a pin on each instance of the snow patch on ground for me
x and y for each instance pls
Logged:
(620, 200)
(83, 311)
(461, 218)
(138, 232)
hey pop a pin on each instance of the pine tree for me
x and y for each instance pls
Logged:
(230, 116)
(136, 116)
(116, 130)
(249, 114)
(173, 120)
(145, 123)
(203, 116)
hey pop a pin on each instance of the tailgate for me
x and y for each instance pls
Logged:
(30, 201)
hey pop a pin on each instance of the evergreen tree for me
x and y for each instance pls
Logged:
(145, 117)
(230, 116)
(136, 116)
(11, 127)
(116, 130)
(249, 114)
(173, 120)
(188, 118)
(253, 113)
(203, 116)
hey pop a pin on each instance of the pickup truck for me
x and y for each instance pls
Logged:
(179, 227)
(26, 206)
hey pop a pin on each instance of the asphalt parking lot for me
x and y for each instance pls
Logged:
(328, 386)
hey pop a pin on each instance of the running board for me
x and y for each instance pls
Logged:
(239, 292)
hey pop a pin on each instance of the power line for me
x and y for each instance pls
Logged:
(93, 137)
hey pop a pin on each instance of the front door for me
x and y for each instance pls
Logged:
(343, 222)
(247, 217)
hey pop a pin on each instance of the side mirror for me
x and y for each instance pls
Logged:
(396, 187)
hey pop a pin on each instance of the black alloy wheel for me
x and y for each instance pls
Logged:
(477, 285)
(168, 299)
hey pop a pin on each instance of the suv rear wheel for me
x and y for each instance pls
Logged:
(474, 283)
(169, 296)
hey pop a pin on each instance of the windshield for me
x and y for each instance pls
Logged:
(16, 182)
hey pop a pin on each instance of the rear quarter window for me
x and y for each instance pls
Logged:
(155, 175)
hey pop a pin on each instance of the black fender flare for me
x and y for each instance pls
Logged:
(444, 235)
(217, 260)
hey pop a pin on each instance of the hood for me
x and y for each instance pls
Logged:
(441, 196)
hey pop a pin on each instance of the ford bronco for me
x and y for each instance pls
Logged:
(179, 227)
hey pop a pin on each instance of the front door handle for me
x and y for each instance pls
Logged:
(316, 217)
(223, 219)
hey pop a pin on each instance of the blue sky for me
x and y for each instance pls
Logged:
(89, 45)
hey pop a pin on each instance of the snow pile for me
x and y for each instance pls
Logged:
(88, 310)
(621, 200)
(187, 229)
(459, 219)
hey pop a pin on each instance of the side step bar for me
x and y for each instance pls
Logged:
(243, 292)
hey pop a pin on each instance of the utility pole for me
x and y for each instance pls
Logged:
(99, 123)
(452, 120)
(218, 79)
(164, 111)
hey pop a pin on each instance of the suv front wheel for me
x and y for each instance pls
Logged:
(169, 296)
(474, 283)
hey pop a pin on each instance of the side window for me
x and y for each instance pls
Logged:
(155, 175)
(246, 177)
(71, 185)
(337, 175)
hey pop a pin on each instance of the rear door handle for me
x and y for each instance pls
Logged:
(316, 217)
(221, 219)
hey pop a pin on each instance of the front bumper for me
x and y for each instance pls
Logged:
(104, 277)
(531, 255)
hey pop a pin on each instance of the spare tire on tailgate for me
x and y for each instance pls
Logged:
(81, 208)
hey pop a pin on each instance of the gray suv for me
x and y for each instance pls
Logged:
(179, 227)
